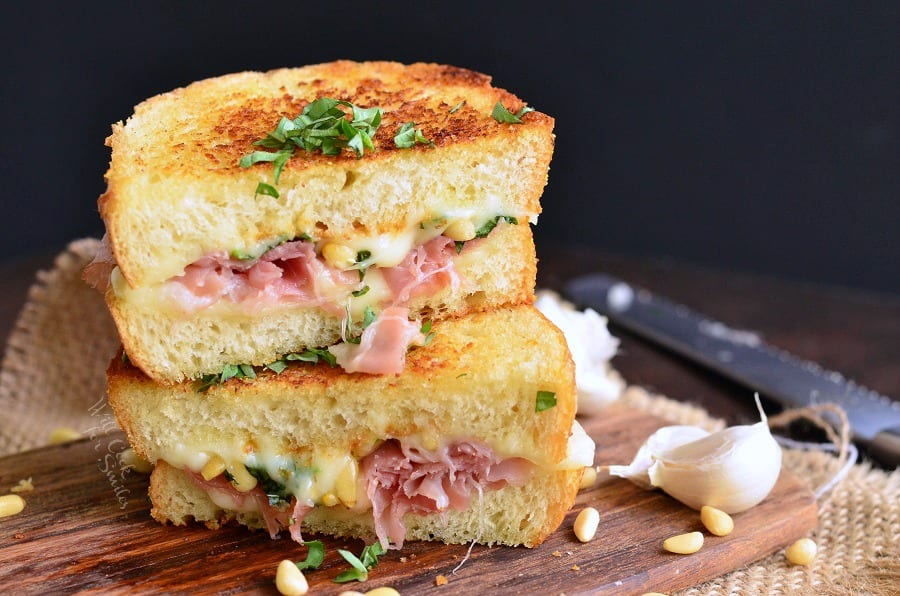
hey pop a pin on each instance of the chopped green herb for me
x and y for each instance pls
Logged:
(248, 255)
(461, 375)
(369, 317)
(312, 355)
(230, 371)
(490, 224)
(408, 136)
(361, 565)
(276, 492)
(457, 107)
(265, 189)
(314, 556)
(321, 126)
(277, 367)
(545, 401)
(459, 245)
(501, 114)
(426, 330)
(363, 255)
(360, 292)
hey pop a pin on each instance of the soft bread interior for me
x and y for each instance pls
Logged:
(176, 192)
(170, 346)
(478, 379)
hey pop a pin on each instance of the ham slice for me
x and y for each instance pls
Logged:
(97, 272)
(425, 270)
(402, 479)
(383, 344)
(288, 273)
(226, 496)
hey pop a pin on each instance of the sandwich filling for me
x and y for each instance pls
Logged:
(397, 478)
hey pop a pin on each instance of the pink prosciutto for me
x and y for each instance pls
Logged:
(382, 347)
(289, 273)
(225, 495)
(426, 270)
(401, 479)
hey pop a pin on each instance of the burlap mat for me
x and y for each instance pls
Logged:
(53, 372)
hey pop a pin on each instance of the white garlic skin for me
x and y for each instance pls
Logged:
(732, 470)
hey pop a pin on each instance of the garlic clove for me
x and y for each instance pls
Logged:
(732, 470)
(658, 443)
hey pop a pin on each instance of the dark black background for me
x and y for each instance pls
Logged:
(752, 136)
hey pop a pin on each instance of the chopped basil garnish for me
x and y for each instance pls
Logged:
(459, 245)
(501, 114)
(457, 107)
(409, 135)
(312, 355)
(321, 126)
(314, 556)
(265, 189)
(231, 371)
(545, 401)
(426, 330)
(490, 224)
(360, 292)
(361, 564)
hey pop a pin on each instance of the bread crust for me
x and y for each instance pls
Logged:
(478, 378)
(180, 150)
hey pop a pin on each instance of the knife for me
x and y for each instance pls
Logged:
(742, 356)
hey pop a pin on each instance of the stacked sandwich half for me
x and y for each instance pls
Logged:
(322, 278)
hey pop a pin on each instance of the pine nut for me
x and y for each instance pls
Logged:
(62, 434)
(242, 480)
(339, 256)
(589, 477)
(351, 593)
(460, 230)
(214, 466)
(134, 461)
(716, 521)
(802, 552)
(684, 544)
(345, 484)
(289, 580)
(11, 505)
(383, 591)
(586, 524)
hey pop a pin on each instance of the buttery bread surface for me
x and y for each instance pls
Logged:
(176, 191)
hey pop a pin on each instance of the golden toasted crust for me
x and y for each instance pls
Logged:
(478, 378)
(180, 152)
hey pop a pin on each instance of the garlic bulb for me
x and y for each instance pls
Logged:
(732, 470)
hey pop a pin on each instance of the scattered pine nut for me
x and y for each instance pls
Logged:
(716, 521)
(289, 580)
(24, 486)
(556, 553)
(440, 580)
(351, 593)
(62, 434)
(586, 524)
(576, 568)
(684, 544)
(589, 477)
(11, 505)
(802, 552)
(383, 591)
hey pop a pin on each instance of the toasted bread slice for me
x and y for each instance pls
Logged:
(176, 191)
(170, 346)
(478, 381)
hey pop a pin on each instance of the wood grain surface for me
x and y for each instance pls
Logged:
(86, 527)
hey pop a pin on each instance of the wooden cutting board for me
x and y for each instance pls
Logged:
(85, 528)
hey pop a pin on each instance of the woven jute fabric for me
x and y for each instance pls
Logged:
(53, 373)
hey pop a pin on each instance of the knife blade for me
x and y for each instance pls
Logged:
(743, 357)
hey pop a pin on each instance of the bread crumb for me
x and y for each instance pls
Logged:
(23, 486)
(18, 535)
(440, 580)
(403, 559)
(556, 553)
(576, 568)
